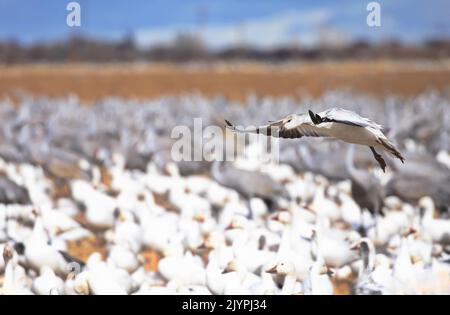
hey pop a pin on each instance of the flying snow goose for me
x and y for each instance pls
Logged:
(335, 122)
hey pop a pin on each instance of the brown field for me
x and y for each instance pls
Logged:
(234, 81)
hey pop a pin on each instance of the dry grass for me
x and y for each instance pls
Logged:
(234, 81)
(82, 249)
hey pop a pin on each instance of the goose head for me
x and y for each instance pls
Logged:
(232, 266)
(290, 121)
(284, 217)
(282, 268)
(212, 241)
(8, 253)
(172, 169)
(238, 222)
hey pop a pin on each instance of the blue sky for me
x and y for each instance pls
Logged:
(225, 22)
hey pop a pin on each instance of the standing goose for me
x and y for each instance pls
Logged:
(335, 122)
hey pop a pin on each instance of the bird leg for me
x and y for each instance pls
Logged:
(379, 159)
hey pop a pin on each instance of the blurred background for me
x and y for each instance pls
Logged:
(87, 113)
(315, 46)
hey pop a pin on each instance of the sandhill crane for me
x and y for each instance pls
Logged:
(34, 140)
(324, 164)
(411, 188)
(249, 184)
(11, 193)
(10, 153)
(335, 122)
(366, 188)
(423, 164)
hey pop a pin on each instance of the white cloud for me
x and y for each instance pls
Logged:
(299, 26)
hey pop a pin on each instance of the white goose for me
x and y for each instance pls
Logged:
(185, 270)
(332, 244)
(240, 280)
(39, 253)
(319, 282)
(14, 281)
(104, 279)
(335, 122)
(437, 229)
(288, 271)
(99, 206)
(373, 278)
(47, 282)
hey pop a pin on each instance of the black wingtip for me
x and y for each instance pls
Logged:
(314, 117)
(228, 123)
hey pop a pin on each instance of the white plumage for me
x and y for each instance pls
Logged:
(337, 123)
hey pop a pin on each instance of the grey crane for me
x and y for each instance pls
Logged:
(410, 188)
(324, 164)
(366, 188)
(11, 193)
(249, 184)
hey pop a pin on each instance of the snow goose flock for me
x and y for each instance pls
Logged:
(91, 203)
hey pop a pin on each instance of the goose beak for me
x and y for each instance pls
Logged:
(355, 246)
(7, 253)
(230, 226)
(202, 246)
(275, 217)
(231, 266)
(272, 270)
(323, 270)
(200, 217)
(391, 248)
(309, 208)
(411, 231)
(415, 259)
(326, 271)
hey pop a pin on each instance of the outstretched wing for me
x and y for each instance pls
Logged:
(293, 126)
(347, 117)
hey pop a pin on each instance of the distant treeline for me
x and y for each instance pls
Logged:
(189, 48)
